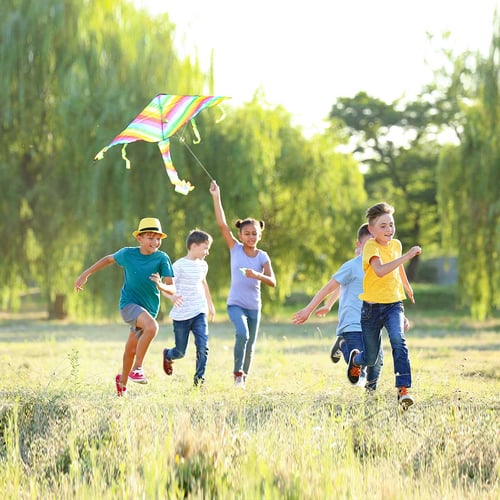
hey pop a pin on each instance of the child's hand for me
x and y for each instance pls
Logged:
(250, 273)
(214, 188)
(321, 312)
(79, 283)
(406, 324)
(414, 251)
(211, 312)
(156, 278)
(300, 317)
(176, 300)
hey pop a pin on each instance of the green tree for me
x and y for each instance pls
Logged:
(395, 144)
(469, 180)
(73, 74)
(306, 192)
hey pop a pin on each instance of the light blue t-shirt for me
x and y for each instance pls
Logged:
(350, 276)
(137, 287)
(245, 292)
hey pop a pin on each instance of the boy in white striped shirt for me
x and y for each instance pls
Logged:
(190, 278)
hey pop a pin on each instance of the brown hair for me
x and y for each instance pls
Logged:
(377, 210)
(363, 231)
(197, 236)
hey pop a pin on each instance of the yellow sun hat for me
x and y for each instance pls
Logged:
(149, 225)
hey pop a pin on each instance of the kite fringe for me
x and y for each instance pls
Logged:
(124, 156)
(223, 114)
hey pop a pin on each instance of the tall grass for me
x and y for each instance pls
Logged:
(299, 431)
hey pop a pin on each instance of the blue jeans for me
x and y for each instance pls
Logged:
(199, 326)
(354, 340)
(391, 316)
(246, 325)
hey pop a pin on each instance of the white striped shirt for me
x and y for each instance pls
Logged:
(188, 278)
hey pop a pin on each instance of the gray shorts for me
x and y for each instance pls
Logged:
(130, 313)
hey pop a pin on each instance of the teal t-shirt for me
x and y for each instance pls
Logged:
(137, 287)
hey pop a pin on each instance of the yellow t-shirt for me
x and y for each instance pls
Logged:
(389, 288)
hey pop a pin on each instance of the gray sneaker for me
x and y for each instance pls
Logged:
(335, 352)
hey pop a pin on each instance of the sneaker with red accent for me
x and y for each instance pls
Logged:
(121, 390)
(168, 364)
(353, 370)
(138, 376)
(404, 399)
(239, 380)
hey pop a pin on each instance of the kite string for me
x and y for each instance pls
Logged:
(183, 141)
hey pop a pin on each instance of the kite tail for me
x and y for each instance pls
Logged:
(124, 156)
(181, 186)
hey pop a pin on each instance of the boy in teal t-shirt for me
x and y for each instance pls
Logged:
(147, 271)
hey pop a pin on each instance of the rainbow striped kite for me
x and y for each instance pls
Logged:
(157, 122)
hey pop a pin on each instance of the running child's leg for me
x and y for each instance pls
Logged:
(128, 357)
(200, 331)
(394, 324)
(149, 327)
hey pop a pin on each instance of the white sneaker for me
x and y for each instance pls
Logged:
(362, 380)
(239, 381)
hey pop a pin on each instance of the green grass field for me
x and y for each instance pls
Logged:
(299, 430)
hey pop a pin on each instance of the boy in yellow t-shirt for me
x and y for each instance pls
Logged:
(384, 288)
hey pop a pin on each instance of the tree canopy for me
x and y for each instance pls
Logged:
(75, 73)
(469, 180)
(73, 76)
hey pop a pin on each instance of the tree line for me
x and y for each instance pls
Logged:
(74, 74)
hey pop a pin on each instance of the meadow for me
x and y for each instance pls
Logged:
(298, 431)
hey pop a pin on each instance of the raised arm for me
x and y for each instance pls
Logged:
(220, 216)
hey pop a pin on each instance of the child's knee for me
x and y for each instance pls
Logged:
(151, 329)
(242, 335)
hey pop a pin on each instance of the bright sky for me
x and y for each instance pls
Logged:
(304, 55)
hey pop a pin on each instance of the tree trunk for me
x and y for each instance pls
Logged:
(58, 307)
